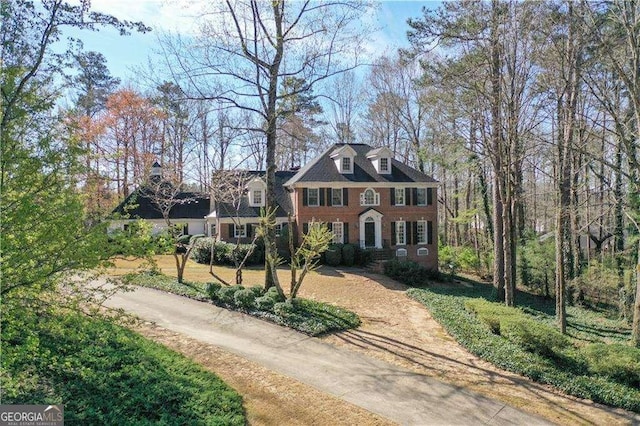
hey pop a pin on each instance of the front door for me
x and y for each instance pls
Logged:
(369, 234)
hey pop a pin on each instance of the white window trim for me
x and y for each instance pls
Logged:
(425, 196)
(385, 169)
(309, 197)
(424, 233)
(334, 226)
(242, 228)
(255, 203)
(401, 191)
(376, 198)
(341, 197)
(403, 234)
(423, 251)
(401, 252)
(278, 229)
(346, 169)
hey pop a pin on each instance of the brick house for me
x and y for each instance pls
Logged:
(364, 195)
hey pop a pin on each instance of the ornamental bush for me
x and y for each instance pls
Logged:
(409, 272)
(212, 290)
(333, 255)
(348, 254)
(264, 303)
(244, 298)
(226, 295)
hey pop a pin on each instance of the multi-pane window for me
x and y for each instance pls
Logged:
(213, 229)
(384, 164)
(313, 197)
(346, 164)
(240, 231)
(257, 197)
(336, 196)
(338, 232)
(422, 232)
(278, 229)
(401, 233)
(399, 197)
(369, 198)
(421, 196)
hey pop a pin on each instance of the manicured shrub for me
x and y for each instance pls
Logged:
(244, 298)
(619, 362)
(362, 257)
(212, 290)
(284, 309)
(225, 253)
(273, 294)
(333, 255)
(348, 254)
(264, 303)
(409, 272)
(257, 291)
(226, 294)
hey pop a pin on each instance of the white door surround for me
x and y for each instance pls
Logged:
(371, 215)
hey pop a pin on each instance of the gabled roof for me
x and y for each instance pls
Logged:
(323, 169)
(139, 205)
(383, 151)
(283, 200)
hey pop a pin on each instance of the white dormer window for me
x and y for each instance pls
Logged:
(381, 160)
(343, 157)
(346, 164)
(384, 165)
(256, 189)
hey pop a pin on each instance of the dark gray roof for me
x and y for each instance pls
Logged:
(283, 199)
(323, 169)
(189, 205)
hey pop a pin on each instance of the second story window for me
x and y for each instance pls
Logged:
(313, 197)
(336, 196)
(399, 196)
(369, 198)
(421, 197)
(346, 164)
(384, 164)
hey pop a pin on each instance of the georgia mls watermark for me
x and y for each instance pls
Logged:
(31, 415)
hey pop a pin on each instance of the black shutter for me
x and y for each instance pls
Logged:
(329, 197)
(330, 226)
(429, 232)
(321, 191)
(414, 232)
(232, 230)
(345, 233)
(407, 196)
(305, 228)
(414, 196)
(393, 196)
(393, 233)
(345, 197)
(249, 234)
(305, 194)
(429, 196)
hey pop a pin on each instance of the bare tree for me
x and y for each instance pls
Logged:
(246, 48)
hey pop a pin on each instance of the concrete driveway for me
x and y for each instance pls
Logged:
(385, 389)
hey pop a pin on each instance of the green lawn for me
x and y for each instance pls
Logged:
(107, 374)
(592, 361)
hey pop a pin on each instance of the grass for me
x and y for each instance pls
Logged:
(307, 316)
(106, 374)
(524, 341)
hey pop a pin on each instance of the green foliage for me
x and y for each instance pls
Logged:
(616, 361)
(192, 290)
(409, 272)
(333, 255)
(534, 337)
(348, 254)
(226, 295)
(244, 299)
(93, 367)
(564, 370)
(536, 265)
(599, 284)
(226, 253)
(212, 290)
(362, 257)
(314, 318)
(264, 303)
(452, 259)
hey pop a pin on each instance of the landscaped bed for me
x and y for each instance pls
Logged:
(593, 361)
(308, 316)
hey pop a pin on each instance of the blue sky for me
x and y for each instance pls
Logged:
(125, 53)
